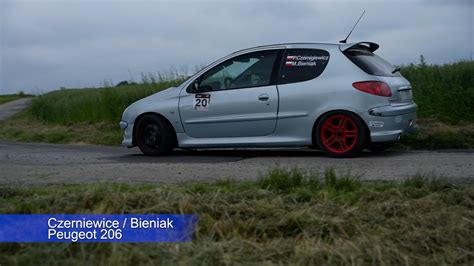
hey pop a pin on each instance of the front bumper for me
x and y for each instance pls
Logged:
(389, 123)
(127, 134)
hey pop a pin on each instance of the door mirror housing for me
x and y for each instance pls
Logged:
(194, 86)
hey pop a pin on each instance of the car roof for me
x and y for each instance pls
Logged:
(342, 46)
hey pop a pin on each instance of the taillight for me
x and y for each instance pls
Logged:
(373, 87)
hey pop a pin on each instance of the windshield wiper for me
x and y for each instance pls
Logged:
(396, 70)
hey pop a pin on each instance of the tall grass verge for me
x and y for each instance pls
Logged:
(72, 106)
(444, 92)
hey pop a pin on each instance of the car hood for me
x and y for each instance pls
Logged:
(149, 104)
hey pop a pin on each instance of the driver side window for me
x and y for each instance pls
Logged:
(244, 71)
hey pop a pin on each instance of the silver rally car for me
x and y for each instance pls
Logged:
(340, 98)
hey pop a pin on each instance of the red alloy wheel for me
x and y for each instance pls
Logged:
(339, 133)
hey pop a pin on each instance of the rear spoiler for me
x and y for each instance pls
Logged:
(371, 46)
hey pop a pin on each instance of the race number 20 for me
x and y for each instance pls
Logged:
(202, 102)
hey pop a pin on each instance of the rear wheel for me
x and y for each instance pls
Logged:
(154, 135)
(341, 134)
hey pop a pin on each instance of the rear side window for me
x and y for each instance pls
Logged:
(371, 63)
(302, 64)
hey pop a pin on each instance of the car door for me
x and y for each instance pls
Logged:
(237, 98)
(299, 88)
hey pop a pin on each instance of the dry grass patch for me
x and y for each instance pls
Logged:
(304, 220)
(434, 134)
(22, 128)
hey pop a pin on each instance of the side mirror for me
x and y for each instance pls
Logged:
(194, 86)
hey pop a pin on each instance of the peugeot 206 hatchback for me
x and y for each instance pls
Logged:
(340, 98)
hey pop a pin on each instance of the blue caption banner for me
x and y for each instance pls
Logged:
(97, 227)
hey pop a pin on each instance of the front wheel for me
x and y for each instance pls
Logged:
(341, 134)
(154, 136)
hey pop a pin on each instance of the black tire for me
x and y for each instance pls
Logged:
(380, 146)
(337, 140)
(155, 136)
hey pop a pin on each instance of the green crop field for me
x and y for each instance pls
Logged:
(444, 94)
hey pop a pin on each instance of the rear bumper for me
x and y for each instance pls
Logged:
(389, 123)
(393, 110)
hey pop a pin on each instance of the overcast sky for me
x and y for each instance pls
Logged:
(45, 45)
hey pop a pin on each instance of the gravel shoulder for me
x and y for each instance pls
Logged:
(27, 163)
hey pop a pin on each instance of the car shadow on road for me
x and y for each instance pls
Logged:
(230, 155)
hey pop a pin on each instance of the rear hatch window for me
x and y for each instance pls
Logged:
(371, 63)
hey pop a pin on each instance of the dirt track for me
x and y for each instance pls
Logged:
(10, 108)
(52, 163)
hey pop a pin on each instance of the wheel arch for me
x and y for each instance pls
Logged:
(314, 141)
(135, 128)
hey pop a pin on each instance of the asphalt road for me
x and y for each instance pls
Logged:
(22, 163)
(53, 163)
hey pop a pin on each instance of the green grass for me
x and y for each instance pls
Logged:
(433, 134)
(23, 128)
(285, 217)
(11, 97)
(444, 94)
(89, 106)
(78, 115)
